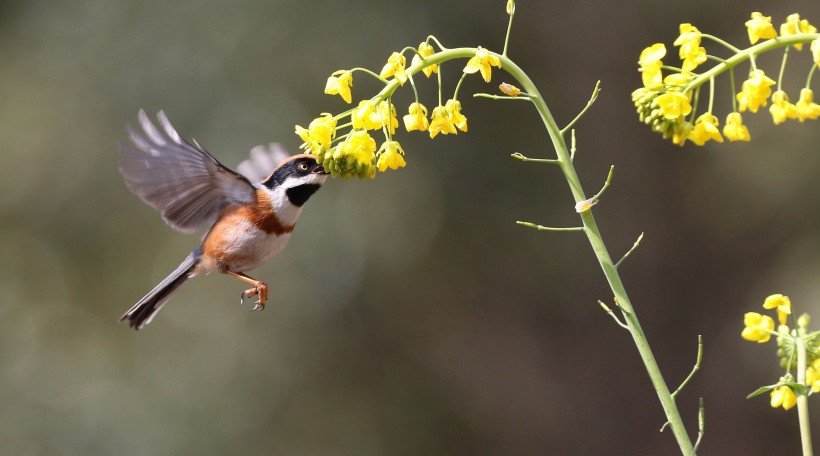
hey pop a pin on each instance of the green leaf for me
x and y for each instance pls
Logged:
(762, 390)
(799, 390)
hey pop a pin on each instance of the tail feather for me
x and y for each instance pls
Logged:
(144, 310)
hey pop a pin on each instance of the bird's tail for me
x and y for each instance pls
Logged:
(144, 310)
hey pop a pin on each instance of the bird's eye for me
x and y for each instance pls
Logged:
(302, 166)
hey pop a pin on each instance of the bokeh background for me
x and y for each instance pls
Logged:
(409, 315)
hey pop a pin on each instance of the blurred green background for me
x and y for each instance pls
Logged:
(409, 315)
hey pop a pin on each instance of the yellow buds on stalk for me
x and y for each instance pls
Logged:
(669, 104)
(354, 151)
(760, 328)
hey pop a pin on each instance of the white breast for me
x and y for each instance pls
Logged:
(249, 247)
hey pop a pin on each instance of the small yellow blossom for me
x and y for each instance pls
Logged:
(705, 129)
(815, 51)
(366, 116)
(783, 305)
(678, 80)
(690, 51)
(482, 61)
(453, 109)
(760, 27)
(674, 105)
(425, 50)
(510, 7)
(441, 123)
(795, 25)
(650, 64)
(781, 109)
(356, 155)
(391, 156)
(755, 91)
(318, 135)
(806, 107)
(757, 327)
(734, 128)
(416, 119)
(509, 89)
(340, 84)
(387, 115)
(681, 132)
(783, 396)
(813, 376)
(395, 67)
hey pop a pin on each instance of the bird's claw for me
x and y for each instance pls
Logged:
(261, 290)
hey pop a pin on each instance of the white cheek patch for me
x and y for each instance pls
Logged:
(287, 212)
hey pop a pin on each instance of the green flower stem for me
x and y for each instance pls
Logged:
(590, 228)
(604, 259)
(802, 399)
(750, 52)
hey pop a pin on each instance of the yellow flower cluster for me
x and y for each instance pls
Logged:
(665, 102)
(355, 153)
(760, 328)
(783, 396)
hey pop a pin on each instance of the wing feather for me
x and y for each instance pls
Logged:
(181, 180)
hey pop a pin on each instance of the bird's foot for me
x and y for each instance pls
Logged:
(260, 289)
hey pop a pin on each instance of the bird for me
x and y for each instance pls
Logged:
(249, 223)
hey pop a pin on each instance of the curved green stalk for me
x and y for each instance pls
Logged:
(589, 227)
(750, 53)
(604, 259)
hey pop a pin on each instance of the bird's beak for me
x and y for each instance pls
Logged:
(319, 169)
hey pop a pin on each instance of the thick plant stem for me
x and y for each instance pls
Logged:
(802, 399)
(604, 259)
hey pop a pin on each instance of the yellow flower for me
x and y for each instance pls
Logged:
(783, 396)
(815, 51)
(425, 50)
(781, 109)
(690, 51)
(705, 129)
(680, 132)
(783, 305)
(366, 116)
(734, 128)
(755, 91)
(806, 107)
(318, 135)
(441, 123)
(813, 376)
(650, 64)
(757, 327)
(390, 156)
(509, 89)
(387, 114)
(416, 119)
(674, 105)
(356, 156)
(482, 61)
(453, 109)
(794, 25)
(395, 67)
(678, 80)
(340, 84)
(760, 27)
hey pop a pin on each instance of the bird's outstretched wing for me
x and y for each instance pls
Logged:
(181, 180)
(263, 162)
